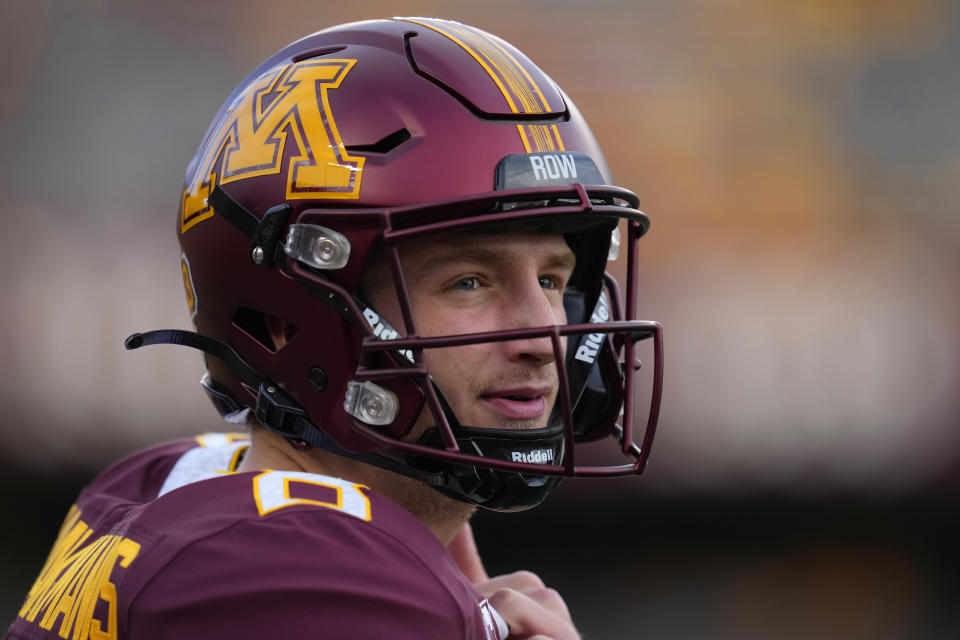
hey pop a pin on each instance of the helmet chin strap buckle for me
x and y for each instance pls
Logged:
(279, 413)
(264, 233)
(276, 410)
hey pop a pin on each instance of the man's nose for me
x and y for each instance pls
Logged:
(531, 306)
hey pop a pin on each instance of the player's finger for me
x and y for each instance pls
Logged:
(534, 615)
(530, 585)
(463, 549)
(519, 580)
(549, 599)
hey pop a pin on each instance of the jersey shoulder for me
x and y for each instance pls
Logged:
(75, 594)
(171, 542)
(145, 474)
(286, 551)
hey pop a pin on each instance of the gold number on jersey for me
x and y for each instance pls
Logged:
(271, 491)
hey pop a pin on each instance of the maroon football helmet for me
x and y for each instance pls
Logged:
(325, 159)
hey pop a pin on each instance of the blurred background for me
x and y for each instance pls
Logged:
(800, 163)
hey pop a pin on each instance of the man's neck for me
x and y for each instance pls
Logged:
(444, 516)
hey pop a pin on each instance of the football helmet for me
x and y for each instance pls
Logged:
(330, 155)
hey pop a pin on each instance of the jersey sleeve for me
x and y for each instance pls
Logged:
(298, 575)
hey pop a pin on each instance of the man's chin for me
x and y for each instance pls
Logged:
(486, 420)
(508, 424)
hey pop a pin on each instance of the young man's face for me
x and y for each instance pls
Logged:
(472, 282)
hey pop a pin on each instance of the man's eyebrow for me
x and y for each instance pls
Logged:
(454, 255)
(566, 259)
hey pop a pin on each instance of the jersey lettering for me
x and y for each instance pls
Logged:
(273, 490)
(287, 105)
(75, 578)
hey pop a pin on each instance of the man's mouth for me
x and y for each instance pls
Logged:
(526, 403)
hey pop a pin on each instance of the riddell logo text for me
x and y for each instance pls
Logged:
(587, 350)
(540, 456)
(384, 331)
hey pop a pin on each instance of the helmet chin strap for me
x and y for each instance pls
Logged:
(492, 488)
(488, 488)
(277, 411)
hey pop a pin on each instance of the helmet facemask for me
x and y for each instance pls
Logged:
(503, 468)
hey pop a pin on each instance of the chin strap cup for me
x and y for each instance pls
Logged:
(491, 488)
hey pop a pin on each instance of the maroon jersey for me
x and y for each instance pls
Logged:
(170, 543)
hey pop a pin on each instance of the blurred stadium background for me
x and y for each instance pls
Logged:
(800, 162)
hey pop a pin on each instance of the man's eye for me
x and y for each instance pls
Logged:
(467, 284)
(548, 282)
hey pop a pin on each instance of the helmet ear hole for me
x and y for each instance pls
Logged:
(271, 332)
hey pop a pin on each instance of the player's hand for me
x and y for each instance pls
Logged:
(531, 610)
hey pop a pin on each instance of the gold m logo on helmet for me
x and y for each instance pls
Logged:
(288, 105)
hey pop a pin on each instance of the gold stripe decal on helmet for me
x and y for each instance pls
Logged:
(519, 89)
(287, 105)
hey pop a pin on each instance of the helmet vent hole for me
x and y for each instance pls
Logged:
(316, 53)
(270, 332)
(385, 144)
